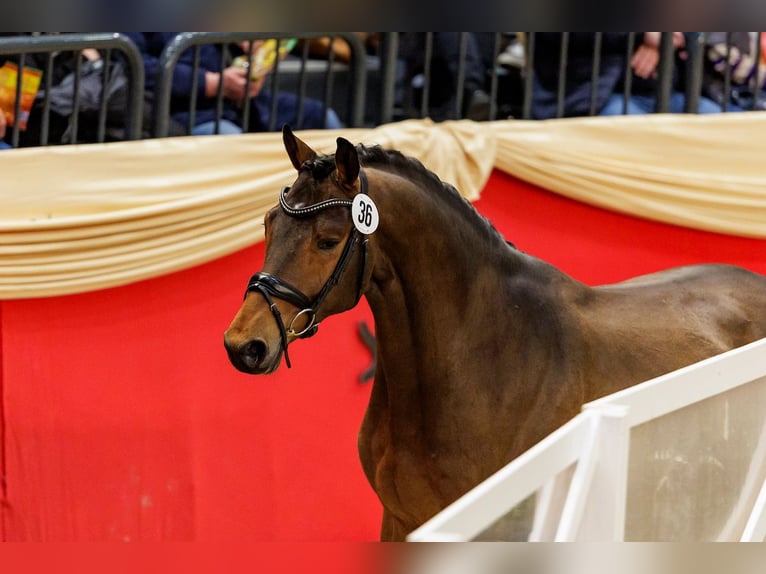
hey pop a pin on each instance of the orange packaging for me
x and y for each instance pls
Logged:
(30, 83)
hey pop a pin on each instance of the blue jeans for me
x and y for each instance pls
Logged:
(227, 127)
(639, 104)
(312, 116)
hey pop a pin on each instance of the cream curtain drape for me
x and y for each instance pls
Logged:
(80, 218)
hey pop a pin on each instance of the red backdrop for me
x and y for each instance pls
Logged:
(123, 420)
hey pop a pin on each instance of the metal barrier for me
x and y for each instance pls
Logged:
(186, 40)
(20, 46)
(371, 89)
(681, 457)
(511, 89)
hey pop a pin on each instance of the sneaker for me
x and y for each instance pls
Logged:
(477, 106)
(512, 56)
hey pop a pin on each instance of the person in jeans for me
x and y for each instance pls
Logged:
(234, 82)
(610, 83)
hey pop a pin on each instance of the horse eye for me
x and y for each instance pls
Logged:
(327, 244)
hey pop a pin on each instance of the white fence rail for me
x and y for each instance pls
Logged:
(680, 457)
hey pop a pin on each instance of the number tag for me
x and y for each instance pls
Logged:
(364, 213)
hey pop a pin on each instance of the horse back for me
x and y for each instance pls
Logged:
(656, 323)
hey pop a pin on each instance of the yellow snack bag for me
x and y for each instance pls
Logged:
(265, 56)
(30, 83)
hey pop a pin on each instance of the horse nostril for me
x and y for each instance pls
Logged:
(253, 352)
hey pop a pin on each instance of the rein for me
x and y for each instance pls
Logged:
(271, 286)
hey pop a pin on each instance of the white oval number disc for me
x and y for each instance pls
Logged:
(364, 213)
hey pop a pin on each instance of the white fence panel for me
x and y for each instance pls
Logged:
(679, 457)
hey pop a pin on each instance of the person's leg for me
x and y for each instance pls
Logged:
(447, 47)
(731, 107)
(313, 114)
(225, 127)
(708, 106)
(615, 106)
(543, 101)
(476, 101)
(332, 121)
(316, 116)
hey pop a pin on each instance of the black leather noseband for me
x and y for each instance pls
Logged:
(271, 286)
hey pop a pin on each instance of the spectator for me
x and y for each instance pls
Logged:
(58, 115)
(445, 65)
(62, 64)
(745, 72)
(234, 81)
(611, 75)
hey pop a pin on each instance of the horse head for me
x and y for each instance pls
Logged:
(315, 263)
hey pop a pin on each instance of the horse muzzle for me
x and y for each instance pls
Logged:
(252, 356)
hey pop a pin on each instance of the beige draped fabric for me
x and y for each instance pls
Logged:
(80, 218)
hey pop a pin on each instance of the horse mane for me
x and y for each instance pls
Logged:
(394, 160)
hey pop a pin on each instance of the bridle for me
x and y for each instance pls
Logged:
(271, 286)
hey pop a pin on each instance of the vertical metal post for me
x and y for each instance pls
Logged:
(388, 75)
(248, 82)
(328, 80)
(17, 102)
(358, 94)
(426, 94)
(46, 119)
(562, 84)
(493, 78)
(219, 93)
(529, 74)
(665, 72)
(727, 74)
(460, 83)
(628, 75)
(597, 39)
(757, 79)
(105, 78)
(695, 47)
(302, 81)
(74, 119)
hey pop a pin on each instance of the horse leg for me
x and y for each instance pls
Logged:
(391, 529)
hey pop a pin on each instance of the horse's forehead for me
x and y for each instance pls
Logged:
(308, 190)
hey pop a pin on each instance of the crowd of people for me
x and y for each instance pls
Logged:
(638, 64)
(459, 72)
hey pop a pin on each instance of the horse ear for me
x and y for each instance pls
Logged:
(346, 161)
(297, 150)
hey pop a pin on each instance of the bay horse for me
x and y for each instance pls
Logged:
(482, 349)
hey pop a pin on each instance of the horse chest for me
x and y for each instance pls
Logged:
(414, 485)
(413, 481)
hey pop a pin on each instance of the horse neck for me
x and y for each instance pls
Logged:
(432, 259)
